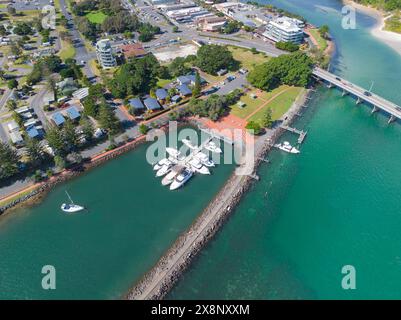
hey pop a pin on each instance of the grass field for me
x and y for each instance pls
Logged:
(248, 59)
(163, 82)
(96, 17)
(322, 43)
(279, 105)
(254, 104)
(279, 100)
(67, 50)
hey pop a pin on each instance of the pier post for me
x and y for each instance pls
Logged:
(375, 109)
(358, 100)
(344, 93)
(392, 118)
(330, 85)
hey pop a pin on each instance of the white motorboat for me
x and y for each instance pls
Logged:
(71, 207)
(188, 143)
(287, 147)
(169, 178)
(197, 166)
(205, 159)
(161, 163)
(211, 146)
(181, 179)
(173, 152)
(163, 170)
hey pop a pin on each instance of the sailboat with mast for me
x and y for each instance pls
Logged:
(71, 207)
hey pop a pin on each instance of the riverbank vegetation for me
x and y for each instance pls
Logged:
(294, 69)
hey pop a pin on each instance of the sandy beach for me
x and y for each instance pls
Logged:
(392, 39)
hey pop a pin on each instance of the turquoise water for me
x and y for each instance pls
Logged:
(132, 220)
(335, 204)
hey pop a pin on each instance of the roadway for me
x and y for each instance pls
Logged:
(81, 53)
(372, 98)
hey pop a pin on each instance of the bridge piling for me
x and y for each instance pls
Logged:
(358, 101)
(344, 93)
(375, 109)
(392, 118)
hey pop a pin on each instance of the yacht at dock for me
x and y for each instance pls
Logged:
(287, 147)
(181, 179)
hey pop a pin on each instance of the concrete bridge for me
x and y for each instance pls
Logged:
(360, 93)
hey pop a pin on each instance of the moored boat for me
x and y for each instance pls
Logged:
(163, 170)
(169, 178)
(205, 159)
(181, 179)
(71, 207)
(211, 146)
(287, 147)
(197, 166)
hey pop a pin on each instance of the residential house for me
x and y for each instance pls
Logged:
(151, 104)
(136, 104)
(13, 126)
(57, 118)
(81, 94)
(184, 90)
(16, 138)
(32, 132)
(161, 95)
(133, 50)
(73, 113)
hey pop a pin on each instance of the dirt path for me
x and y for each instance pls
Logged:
(267, 102)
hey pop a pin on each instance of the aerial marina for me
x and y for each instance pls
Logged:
(179, 168)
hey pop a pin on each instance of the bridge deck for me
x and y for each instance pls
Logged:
(359, 92)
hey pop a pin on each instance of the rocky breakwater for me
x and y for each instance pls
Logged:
(161, 278)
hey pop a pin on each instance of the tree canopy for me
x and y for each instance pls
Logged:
(293, 69)
(212, 58)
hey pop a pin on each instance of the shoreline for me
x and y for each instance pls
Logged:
(40, 189)
(392, 39)
(161, 278)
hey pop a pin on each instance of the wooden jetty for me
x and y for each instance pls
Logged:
(300, 133)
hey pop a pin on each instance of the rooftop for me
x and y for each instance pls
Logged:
(58, 118)
(151, 104)
(73, 113)
(136, 103)
(133, 50)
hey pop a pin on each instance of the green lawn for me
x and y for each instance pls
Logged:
(322, 43)
(254, 104)
(163, 82)
(279, 105)
(248, 59)
(67, 50)
(96, 17)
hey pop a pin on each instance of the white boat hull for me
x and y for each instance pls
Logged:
(163, 170)
(177, 184)
(71, 208)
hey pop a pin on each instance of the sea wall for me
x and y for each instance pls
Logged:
(161, 278)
